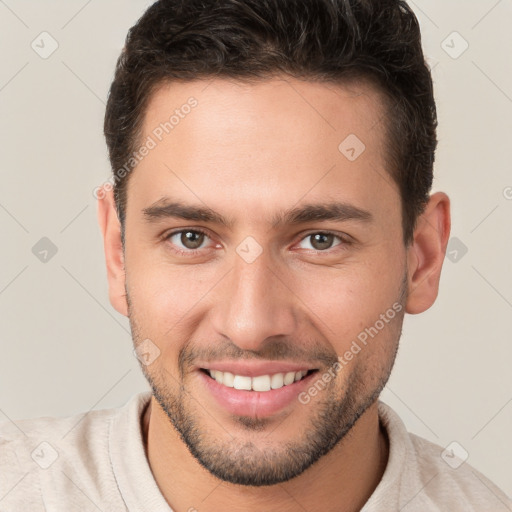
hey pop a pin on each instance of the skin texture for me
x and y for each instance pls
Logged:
(249, 152)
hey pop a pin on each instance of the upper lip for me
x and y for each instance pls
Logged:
(253, 369)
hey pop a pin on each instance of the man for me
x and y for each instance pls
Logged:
(269, 226)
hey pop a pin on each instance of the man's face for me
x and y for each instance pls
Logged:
(263, 289)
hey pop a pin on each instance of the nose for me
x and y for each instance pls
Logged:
(254, 303)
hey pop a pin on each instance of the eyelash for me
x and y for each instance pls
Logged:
(344, 241)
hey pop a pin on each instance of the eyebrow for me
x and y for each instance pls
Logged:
(337, 211)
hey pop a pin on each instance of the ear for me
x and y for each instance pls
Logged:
(425, 255)
(111, 230)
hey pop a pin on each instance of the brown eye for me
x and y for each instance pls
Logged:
(321, 241)
(187, 240)
(191, 239)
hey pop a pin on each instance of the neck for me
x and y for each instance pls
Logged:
(341, 481)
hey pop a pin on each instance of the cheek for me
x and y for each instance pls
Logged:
(344, 302)
(166, 299)
(339, 301)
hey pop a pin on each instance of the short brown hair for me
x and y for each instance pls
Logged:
(249, 40)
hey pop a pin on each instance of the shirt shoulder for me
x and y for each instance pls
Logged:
(423, 476)
(451, 482)
(50, 463)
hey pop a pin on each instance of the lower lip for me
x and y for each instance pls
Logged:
(254, 403)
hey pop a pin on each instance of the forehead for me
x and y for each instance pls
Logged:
(222, 139)
(296, 105)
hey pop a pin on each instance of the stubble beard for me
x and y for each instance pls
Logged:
(261, 462)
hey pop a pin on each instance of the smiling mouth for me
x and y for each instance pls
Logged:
(263, 383)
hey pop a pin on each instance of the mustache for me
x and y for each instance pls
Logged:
(277, 350)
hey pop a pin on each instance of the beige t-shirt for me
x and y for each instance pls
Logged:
(96, 461)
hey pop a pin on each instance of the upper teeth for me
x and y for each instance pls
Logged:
(259, 383)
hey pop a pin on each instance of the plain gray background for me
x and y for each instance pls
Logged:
(65, 350)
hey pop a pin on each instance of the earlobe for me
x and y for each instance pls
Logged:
(425, 255)
(111, 231)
